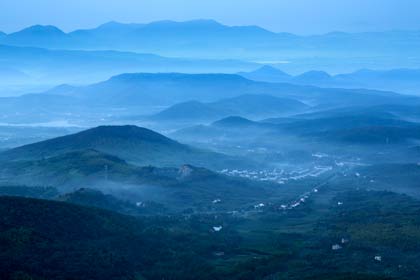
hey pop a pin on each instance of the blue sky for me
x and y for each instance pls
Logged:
(297, 16)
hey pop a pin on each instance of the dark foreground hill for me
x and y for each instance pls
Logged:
(52, 240)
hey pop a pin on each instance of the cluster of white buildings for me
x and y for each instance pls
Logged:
(300, 201)
(279, 176)
(275, 175)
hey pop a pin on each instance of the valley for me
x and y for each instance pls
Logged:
(196, 149)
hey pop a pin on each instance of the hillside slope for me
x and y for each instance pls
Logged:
(131, 143)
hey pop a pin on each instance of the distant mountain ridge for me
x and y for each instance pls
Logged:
(171, 88)
(235, 122)
(109, 30)
(259, 106)
(169, 37)
(267, 73)
(56, 66)
(136, 93)
(355, 126)
(400, 80)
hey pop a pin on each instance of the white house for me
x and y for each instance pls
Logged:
(218, 228)
(336, 247)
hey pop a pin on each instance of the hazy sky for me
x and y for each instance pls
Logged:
(298, 16)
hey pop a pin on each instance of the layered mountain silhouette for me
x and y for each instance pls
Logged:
(400, 80)
(216, 96)
(182, 38)
(170, 88)
(55, 66)
(137, 36)
(353, 127)
(245, 105)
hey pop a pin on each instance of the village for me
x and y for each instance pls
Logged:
(279, 176)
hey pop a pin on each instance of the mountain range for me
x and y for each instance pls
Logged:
(40, 66)
(218, 95)
(399, 80)
(180, 38)
(197, 150)
(170, 88)
(333, 127)
(252, 106)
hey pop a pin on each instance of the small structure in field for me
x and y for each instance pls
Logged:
(336, 247)
(217, 229)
